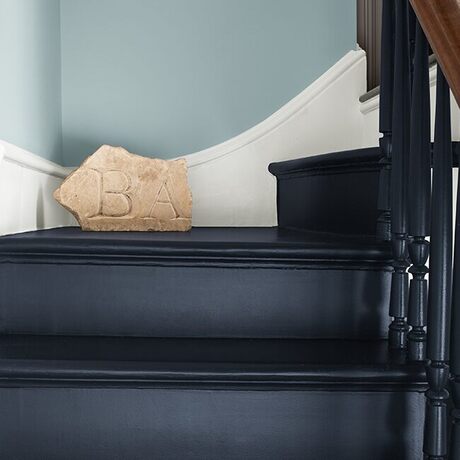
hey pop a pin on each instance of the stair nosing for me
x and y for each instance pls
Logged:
(81, 373)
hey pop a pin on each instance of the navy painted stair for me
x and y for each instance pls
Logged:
(139, 398)
(221, 343)
(210, 282)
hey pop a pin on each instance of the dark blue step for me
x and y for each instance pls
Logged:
(210, 282)
(126, 361)
(138, 398)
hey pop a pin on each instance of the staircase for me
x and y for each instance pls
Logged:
(221, 343)
(294, 342)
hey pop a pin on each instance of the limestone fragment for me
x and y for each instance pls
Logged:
(114, 190)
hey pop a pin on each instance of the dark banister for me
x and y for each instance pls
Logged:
(399, 174)
(419, 197)
(386, 114)
(439, 304)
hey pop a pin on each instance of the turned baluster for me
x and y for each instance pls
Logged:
(455, 340)
(439, 297)
(399, 177)
(419, 197)
(385, 115)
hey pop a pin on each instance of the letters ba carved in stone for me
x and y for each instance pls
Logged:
(114, 190)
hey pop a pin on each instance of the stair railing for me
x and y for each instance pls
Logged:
(416, 206)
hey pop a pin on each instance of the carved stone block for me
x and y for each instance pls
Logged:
(114, 190)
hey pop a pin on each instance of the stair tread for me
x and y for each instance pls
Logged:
(250, 361)
(200, 242)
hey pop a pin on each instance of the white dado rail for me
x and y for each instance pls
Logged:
(230, 182)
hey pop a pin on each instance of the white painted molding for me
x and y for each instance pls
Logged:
(27, 182)
(230, 182)
(26, 159)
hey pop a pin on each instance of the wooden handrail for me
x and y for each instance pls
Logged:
(440, 21)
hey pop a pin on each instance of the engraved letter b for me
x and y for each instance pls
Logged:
(115, 198)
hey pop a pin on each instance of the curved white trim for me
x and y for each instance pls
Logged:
(230, 182)
(22, 157)
(279, 117)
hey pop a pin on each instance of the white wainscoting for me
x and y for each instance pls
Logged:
(230, 182)
(27, 182)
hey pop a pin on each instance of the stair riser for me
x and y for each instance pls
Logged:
(175, 301)
(348, 202)
(338, 191)
(99, 424)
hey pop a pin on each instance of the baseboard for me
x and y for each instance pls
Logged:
(27, 182)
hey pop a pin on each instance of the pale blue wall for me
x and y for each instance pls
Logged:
(160, 77)
(30, 76)
(170, 77)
